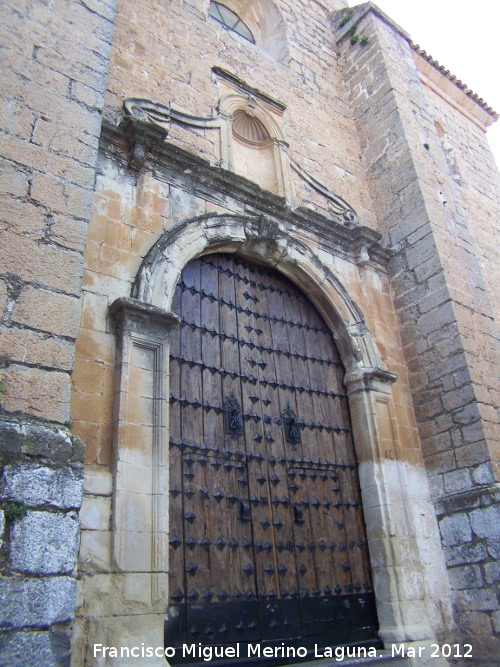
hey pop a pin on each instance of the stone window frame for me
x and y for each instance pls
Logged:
(264, 21)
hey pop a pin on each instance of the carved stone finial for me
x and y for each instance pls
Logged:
(264, 228)
(147, 123)
(265, 239)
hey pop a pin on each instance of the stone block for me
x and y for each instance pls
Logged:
(87, 95)
(98, 481)
(44, 543)
(455, 529)
(95, 513)
(13, 180)
(94, 311)
(49, 265)
(470, 455)
(436, 485)
(475, 625)
(47, 311)
(55, 445)
(467, 415)
(61, 197)
(494, 547)
(465, 554)
(25, 346)
(457, 480)
(95, 551)
(458, 398)
(492, 572)
(2, 526)
(37, 603)
(483, 474)
(473, 433)
(47, 649)
(88, 376)
(38, 392)
(441, 463)
(485, 522)
(468, 576)
(50, 134)
(479, 599)
(39, 485)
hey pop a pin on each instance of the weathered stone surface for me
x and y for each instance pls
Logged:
(44, 543)
(96, 513)
(37, 391)
(2, 526)
(35, 485)
(457, 480)
(494, 547)
(36, 602)
(466, 577)
(34, 440)
(59, 314)
(492, 572)
(483, 474)
(486, 522)
(455, 529)
(465, 554)
(39, 649)
(98, 481)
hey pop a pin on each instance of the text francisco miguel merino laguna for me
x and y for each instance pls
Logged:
(207, 652)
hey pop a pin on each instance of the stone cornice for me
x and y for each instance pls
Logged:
(177, 166)
(244, 87)
(452, 90)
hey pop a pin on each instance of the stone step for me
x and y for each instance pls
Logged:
(383, 659)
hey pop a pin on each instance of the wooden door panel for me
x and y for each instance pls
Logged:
(267, 533)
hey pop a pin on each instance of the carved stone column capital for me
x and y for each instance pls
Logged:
(135, 316)
(369, 379)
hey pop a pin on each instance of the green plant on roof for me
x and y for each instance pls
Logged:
(345, 19)
(364, 40)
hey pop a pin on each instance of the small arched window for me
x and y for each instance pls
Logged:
(230, 20)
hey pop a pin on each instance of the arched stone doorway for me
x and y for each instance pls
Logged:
(267, 537)
(141, 485)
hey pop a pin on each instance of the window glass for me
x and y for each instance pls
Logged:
(230, 20)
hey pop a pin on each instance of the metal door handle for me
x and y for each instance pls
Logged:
(299, 513)
(244, 510)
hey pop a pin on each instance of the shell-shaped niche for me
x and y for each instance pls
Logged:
(248, 128)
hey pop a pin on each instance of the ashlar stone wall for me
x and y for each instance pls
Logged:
(54, 60)
(446, 310)
(156, 55)
(41, 488)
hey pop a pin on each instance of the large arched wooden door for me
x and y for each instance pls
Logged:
(267, 539)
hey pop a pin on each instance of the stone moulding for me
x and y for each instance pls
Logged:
(142, 346)
(179, 167)
(272, 241)
(147, 124)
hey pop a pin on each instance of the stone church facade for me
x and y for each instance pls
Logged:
(249, 337)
